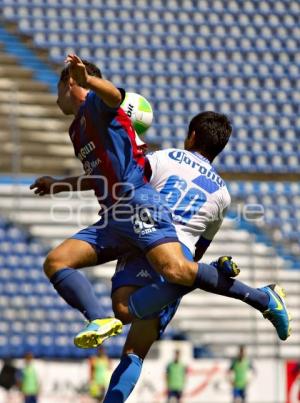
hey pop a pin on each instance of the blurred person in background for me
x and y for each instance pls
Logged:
(240, 372)
(29, 383)
(100, 373)
(8, 377)
(176, 378)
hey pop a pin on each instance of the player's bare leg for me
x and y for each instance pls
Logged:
(70, 253)
(168, 260)
(120, 300)
(61, 267)
(141, 336)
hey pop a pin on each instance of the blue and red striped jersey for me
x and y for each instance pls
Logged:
(104, 141)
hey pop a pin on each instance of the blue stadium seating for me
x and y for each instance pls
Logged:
(239, 58)
(32, 316)
(281, 209)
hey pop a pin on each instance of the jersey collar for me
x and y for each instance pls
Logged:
(199, 156)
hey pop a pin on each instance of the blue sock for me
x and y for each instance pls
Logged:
(78, 292)
(124, 379)
(154, 297)
(210, 279)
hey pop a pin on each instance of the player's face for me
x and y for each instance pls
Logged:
(64, 100)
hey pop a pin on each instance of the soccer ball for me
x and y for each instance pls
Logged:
(139, 110)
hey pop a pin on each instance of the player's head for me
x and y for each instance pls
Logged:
(28, 357)
(177, 355)
(242, 351)
(208, 134)
(69, 92)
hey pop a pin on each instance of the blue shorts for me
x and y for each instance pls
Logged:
(136, 271)
(140, 222)
(30, 399)
(239, 393)
(175, 393)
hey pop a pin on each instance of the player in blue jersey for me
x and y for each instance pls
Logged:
(132, 215)
(104, 141)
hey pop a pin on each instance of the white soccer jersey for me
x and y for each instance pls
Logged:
(196, 194)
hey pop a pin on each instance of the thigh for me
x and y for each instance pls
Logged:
(105, 242)
(120, 298)
(72, 253)
(171, 261)
(135, 270)
(161, 255)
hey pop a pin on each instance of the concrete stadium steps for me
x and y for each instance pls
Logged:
(6, 59)
(39, 137)
(12, 71)
(33, 110)
(20, 84)
(32, 124)
(42, 165)
(25, 98)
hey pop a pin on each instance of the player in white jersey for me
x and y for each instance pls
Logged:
(196, 194)
(198, 199)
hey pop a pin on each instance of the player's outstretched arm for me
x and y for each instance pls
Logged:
(109, 94)
(46, 185)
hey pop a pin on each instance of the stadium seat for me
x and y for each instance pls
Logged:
(28, 300)
(252, 49)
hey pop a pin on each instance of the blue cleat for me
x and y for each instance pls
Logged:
(277, 312)
(96, 331)
(227, 266)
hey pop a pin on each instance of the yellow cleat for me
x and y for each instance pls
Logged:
(96, 331)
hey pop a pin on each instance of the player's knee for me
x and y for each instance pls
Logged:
(172, 273)
(52, 264)
(121, 312)
(178, 272)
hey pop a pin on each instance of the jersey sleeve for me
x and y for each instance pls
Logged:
(214, 226)
(96, 101)
(210, 232)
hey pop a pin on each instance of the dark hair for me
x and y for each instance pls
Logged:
(212, 132)
(91, 68)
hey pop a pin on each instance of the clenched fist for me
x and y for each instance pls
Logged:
(44, 186)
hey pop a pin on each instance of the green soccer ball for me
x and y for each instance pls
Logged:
(139, 110)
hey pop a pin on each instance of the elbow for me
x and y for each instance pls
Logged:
(116, 99)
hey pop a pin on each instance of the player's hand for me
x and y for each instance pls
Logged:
(44, 186)
(227, 266)
(77, 69)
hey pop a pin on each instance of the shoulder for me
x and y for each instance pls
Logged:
(160, 153)
(224, 195)
(158, 156)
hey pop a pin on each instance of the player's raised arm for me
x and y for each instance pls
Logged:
(109, 94)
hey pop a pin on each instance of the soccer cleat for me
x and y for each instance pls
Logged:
(227, 266)
(277, 312)
(96, 331)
